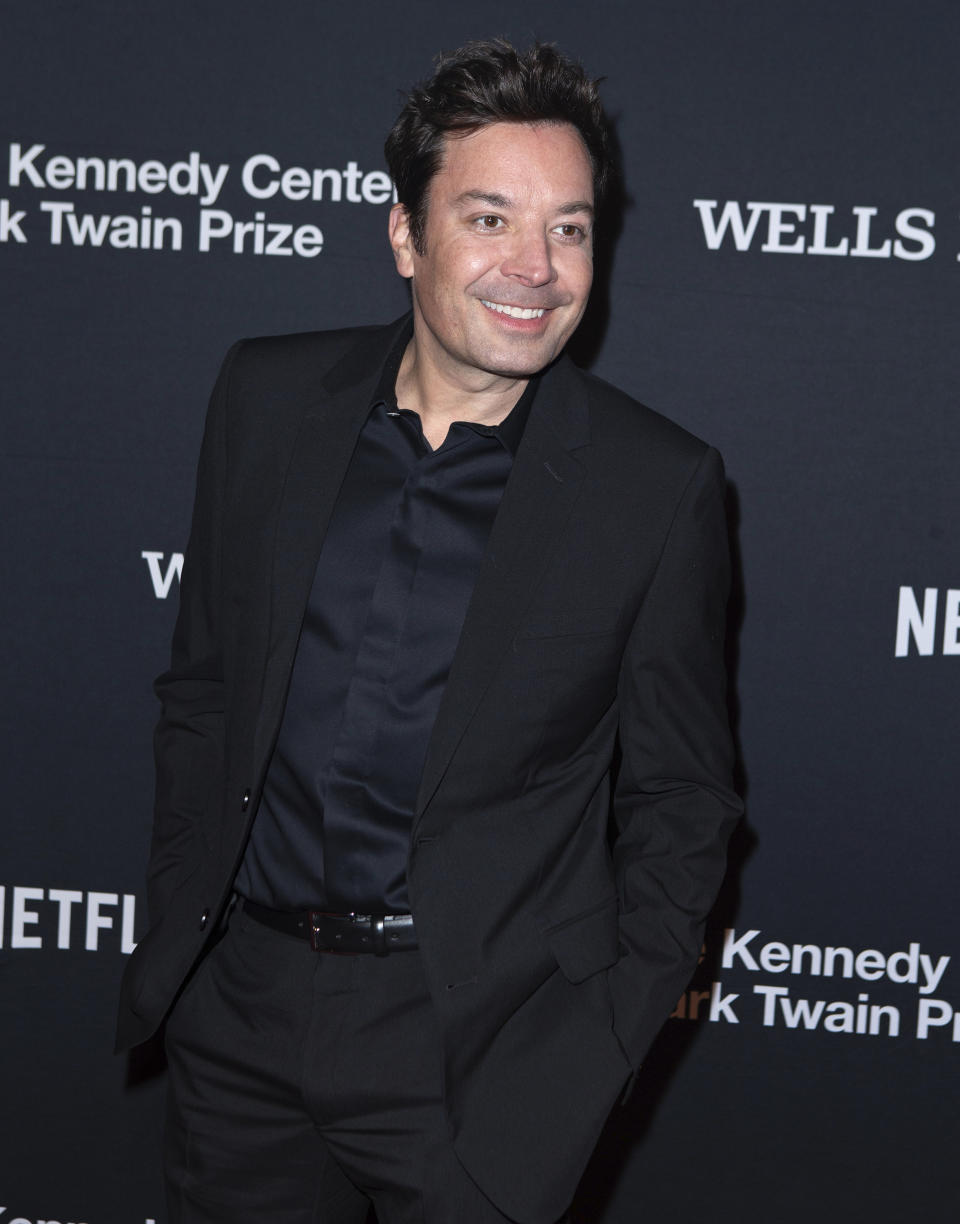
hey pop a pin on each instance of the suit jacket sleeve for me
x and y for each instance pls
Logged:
(188, 741)
(673, 805)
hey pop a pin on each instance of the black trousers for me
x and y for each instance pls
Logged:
(305, 1086)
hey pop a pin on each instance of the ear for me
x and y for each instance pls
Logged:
(400, 240)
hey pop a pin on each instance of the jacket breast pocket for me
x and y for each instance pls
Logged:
(588, 942)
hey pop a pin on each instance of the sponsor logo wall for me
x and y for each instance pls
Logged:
(778, 1003)
(919, 619)
(261, 178)
(79, 918)
(168, 185)
(814, 229)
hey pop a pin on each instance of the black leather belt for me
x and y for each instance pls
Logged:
(344, 933)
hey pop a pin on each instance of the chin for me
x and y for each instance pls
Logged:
(522, 364)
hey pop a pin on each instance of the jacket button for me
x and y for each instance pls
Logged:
(204, 919)
(245, 801)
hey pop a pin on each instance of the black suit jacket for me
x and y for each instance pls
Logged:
(594, 635)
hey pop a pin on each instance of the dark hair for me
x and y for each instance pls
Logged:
(483, 83)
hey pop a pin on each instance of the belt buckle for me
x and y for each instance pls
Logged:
(375, 923)
(315, 942)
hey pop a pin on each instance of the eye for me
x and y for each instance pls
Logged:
(573, 233)
(490, 221)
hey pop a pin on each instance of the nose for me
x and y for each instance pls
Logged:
(529, 258)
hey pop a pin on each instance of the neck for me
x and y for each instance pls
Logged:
(440, 395)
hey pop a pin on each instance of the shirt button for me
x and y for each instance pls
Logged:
(204, 919)
(245, 801)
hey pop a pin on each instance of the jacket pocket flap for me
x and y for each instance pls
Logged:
(587, 943)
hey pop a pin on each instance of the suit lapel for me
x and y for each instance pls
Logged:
(318, 462)
(541, 491)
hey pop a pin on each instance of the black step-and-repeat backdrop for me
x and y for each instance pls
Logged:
(784, 282)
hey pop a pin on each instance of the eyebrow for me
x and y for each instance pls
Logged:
(495, 200)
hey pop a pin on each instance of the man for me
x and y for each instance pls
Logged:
(449, 608)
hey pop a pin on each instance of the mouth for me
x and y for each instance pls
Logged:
(515, 312)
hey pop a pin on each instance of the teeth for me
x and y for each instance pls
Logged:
(515, 312)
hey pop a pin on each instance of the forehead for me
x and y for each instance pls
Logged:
(520, 161)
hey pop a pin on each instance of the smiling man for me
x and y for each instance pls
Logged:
(451, 626)
(500, 268)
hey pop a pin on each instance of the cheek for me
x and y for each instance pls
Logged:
(468, 260)
(449, 278)
(580, 275)
(477, 274)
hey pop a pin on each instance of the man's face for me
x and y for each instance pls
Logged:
(508, 253)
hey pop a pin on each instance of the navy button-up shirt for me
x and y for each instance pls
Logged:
(391, 589)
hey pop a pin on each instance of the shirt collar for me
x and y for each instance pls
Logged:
(509, 431)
